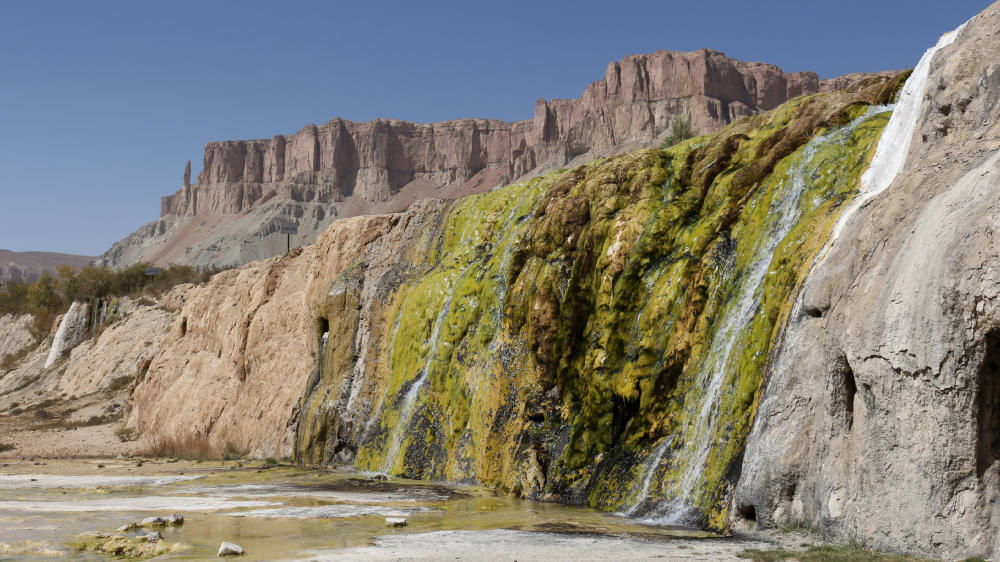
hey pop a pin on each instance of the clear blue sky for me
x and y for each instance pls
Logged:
(102, 103)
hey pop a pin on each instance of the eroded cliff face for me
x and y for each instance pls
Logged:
(880, 417)
(248, 190)
(591, 336)
(235, 364)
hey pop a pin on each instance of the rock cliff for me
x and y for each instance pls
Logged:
(796, 319)
(248, 191)
(880, 418)
(511, 337)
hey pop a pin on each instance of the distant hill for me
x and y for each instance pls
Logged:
(29, 265)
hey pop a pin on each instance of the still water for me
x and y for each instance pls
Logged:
(286, 513)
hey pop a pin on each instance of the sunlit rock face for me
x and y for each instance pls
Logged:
(880, 417)
(249, 190)
(596, 335)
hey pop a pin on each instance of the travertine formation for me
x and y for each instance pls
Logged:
(254, 330)
(881, 418)
(614, 334)
(248, 191)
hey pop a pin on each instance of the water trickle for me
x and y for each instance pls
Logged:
(649, 467)
(70, 332)
(679, 505)
(406, 411)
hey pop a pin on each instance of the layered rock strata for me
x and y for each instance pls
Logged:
(343, 168)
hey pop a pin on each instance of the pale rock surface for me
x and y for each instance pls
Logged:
(236, 361)
(73, 408)
(15, 333)
(880, 418)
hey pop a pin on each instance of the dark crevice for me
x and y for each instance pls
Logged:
(184, 327)
(747, 513)
(624, 410)
(814, 311)
(850, 391)
(988, 421)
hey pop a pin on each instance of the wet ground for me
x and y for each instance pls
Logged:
(285, 513)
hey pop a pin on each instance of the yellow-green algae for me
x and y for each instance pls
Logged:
(564, 326)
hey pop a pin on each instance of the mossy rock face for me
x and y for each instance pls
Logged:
(567, 327)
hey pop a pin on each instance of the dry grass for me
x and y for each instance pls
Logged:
(192, 447)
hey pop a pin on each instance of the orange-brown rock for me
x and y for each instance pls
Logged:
(248, 191)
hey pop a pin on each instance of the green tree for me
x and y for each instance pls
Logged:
(680, 131)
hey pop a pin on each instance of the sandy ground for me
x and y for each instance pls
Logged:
(92, 441)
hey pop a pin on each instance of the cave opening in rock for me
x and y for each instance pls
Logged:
(624, 409)
(747, 513)
(988, 421)
(322, 328)
(850, 390)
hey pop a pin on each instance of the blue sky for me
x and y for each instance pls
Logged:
(102, 103)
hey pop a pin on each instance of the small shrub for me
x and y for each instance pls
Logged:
(125, 434)
(189, 447)
(6, 447)
(680, 131)
(231, 452)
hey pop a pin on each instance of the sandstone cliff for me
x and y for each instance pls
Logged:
(248, 190)
(880, 419)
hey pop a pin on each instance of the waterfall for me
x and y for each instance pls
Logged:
(70, 332)
(649, 467)
(469, 259)
(894, 145)
(786, 209)
(406, 412)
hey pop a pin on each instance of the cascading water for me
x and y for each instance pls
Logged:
(894, 144)
(649, 467)
(471, 243)
(70, 332)
(406, 411)
(678, 506)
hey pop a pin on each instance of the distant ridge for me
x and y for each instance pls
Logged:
(254, 197)
(28, 266)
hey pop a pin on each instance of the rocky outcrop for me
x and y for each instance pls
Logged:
(249, 191)
(74, 406)
(15, 333)
(880, 417)
(236, 362)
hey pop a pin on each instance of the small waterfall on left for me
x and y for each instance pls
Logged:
(70, 332)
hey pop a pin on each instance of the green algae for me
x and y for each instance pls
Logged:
(564, 327)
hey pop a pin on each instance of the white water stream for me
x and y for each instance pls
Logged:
(70, 332)
(894, 144)
(406, 412)
(697, 434)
